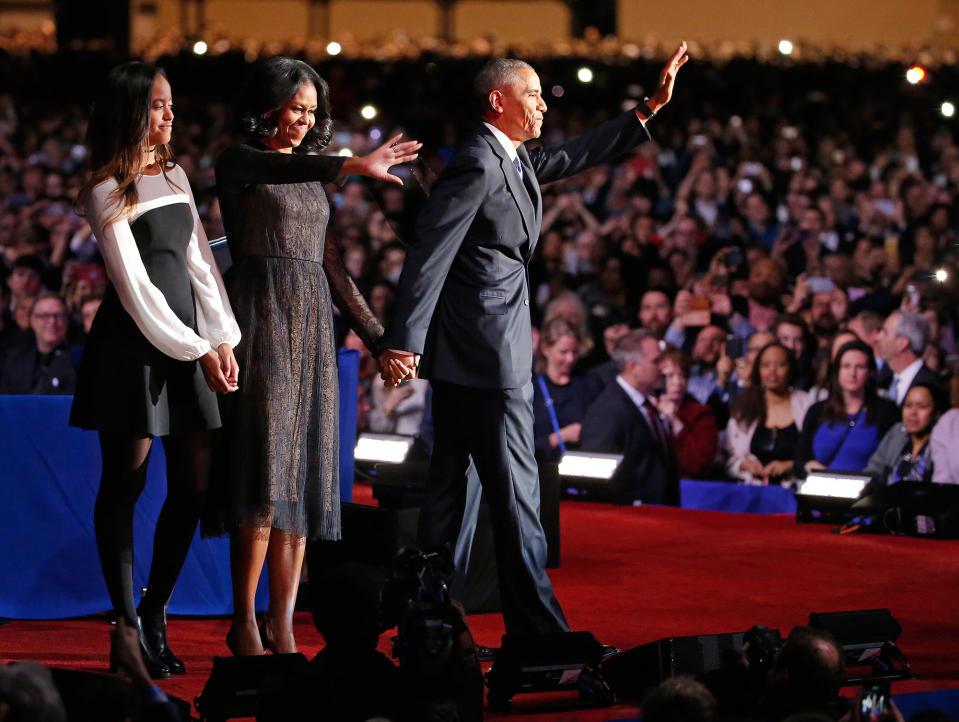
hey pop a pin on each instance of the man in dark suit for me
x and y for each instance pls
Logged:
(902, 341)
(463, 303)
(624, 420)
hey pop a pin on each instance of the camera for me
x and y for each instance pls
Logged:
(416, 600)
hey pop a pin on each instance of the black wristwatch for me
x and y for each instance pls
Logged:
(645, 109)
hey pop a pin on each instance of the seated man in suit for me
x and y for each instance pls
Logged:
(623, 420)
(902, 341)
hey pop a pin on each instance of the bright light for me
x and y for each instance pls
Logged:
(368, 112)
(382, 447)
(345, 153)
(786, 47)
(947, 109)
(942, 275)
(199, 47)
(915, 74)
(585, 75)
(822, 483)
(334, 48)
(589, 466)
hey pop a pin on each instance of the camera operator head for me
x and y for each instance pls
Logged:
(347, 611)
(808, 671)
(679, 699)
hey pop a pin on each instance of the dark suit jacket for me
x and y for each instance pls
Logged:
(614, 424)
(929, 377)
(463, 298)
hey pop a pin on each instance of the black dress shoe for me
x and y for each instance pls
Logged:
(609, 650)
(154, 634)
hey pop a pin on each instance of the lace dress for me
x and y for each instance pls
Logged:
(277, 464)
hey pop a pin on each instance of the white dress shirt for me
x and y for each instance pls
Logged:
(504, 141)
(903, 380)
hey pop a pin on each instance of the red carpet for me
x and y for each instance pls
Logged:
(634, 575)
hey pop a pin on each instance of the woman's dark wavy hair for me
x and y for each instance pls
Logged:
(119, 130)
(750, 406)
(269, 87)
(834, 407)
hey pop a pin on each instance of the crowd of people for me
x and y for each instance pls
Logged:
(794, 252)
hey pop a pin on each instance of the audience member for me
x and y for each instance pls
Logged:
(765, 420)
(744, 364)
(844, 430)
(905, 454)
(679, 699)
(791, 331)
(44, 366)
(27, 694)
(655, 311)
(902, 341)
(945, 440)
(623, 420)
(866, 325)
(603, 373)
(560, 398)
(397, 410)
(694, 435)
(807, 674)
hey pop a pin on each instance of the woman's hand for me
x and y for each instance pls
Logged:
(813, 465)
(228, 365)
(778, 469)
(752, 466)
(569, 434)
(378, 163)
(215, 373)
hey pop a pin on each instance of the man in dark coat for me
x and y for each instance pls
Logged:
(624, 420)
(463, 303)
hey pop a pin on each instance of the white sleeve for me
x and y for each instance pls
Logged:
(214, 317)
(145, 303)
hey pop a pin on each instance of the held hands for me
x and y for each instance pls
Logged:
(396, 366)
(378, 163)
(667, 78)
(220, 369)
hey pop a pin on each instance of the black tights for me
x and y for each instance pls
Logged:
(124, 476)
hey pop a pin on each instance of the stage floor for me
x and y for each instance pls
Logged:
(636, 575)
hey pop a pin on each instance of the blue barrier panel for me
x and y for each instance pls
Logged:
(726, 496)
(48, 483)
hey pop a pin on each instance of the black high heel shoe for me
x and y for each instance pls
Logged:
(155, 667)
(156, 640)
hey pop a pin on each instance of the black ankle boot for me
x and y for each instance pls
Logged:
(154, 665)
(153, 632)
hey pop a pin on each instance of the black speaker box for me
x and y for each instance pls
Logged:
(633, 672)
(542, 663)
(234, 684)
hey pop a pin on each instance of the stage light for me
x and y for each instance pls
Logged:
(585, 75)
(558, 91)
(916, 74)
(334, 48)
(947, 109)
(368, 112)
(785, 47)
(942, 275)
(199, 47)
(839, 486)
(391, 448)
(583, 465)
(345, 153)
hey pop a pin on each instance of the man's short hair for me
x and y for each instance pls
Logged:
(810, 667)
(914, 327)
(870, 320)
(630, 348)
(679, 699)
(496, 74)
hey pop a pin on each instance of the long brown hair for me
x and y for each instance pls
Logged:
(119, 132)
(834, 407)
(750, 405)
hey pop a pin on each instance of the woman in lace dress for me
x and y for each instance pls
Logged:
(281, 479)
(160, 345)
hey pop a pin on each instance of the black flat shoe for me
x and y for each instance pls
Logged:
(156, 639)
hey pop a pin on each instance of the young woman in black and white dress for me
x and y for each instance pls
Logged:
(160, 348)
